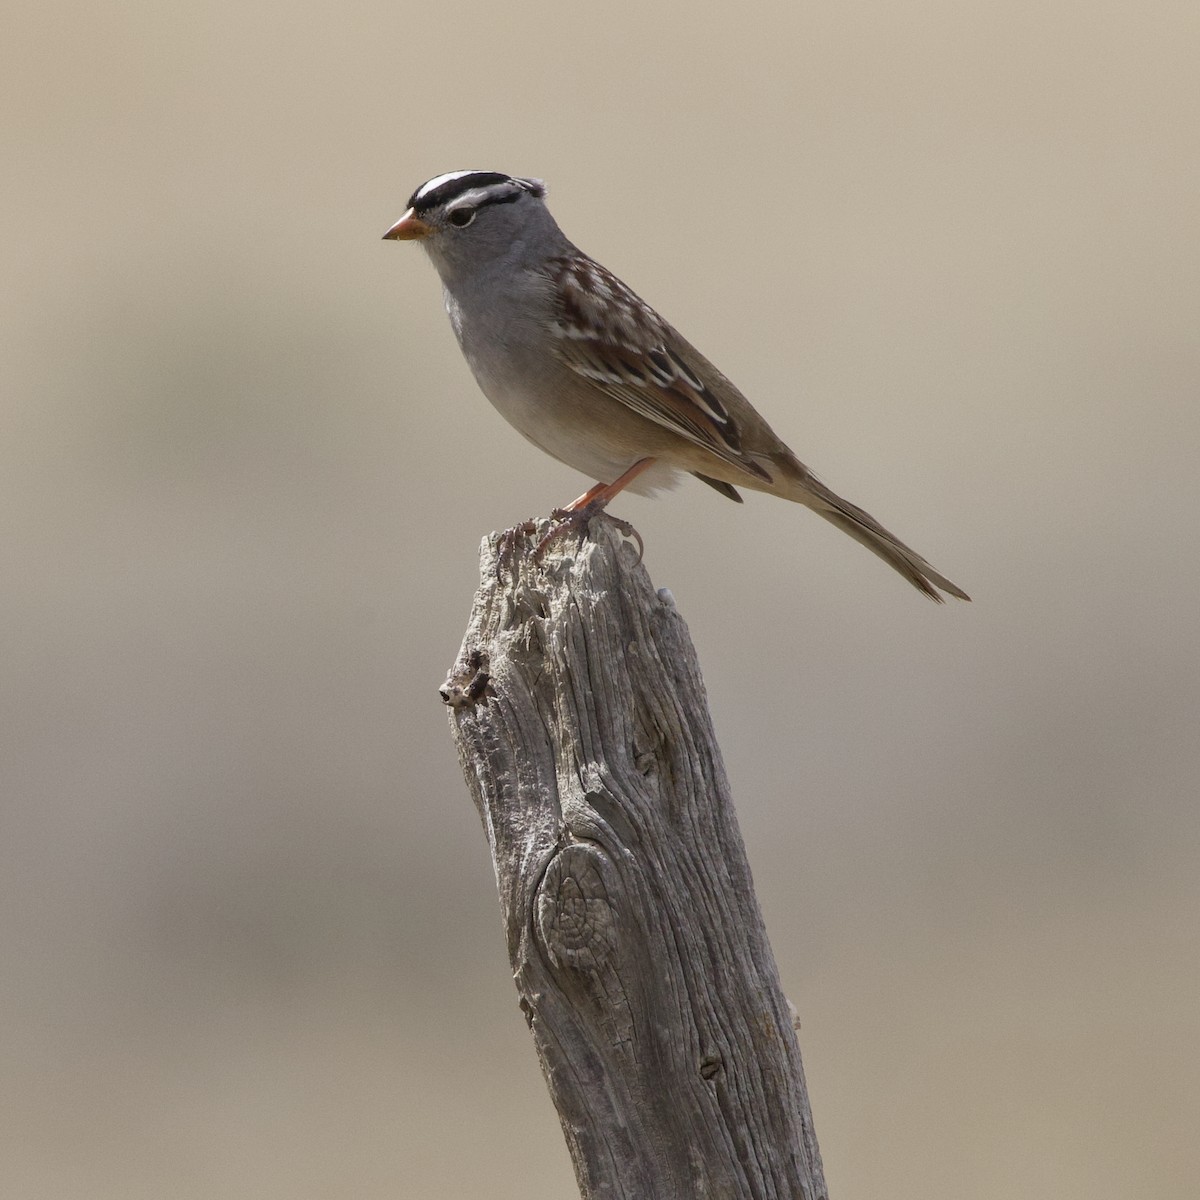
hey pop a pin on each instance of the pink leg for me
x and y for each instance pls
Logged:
(586, 498)
(599, 495)
(577, 514)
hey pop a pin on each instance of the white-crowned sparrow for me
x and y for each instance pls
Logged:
(591, 374)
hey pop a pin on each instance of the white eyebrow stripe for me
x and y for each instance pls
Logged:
(477, 197)
(438, 180)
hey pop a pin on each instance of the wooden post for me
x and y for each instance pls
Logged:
(637, 946)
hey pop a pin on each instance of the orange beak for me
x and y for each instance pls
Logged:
(409, 228)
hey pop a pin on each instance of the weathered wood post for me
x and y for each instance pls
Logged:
(636, 942)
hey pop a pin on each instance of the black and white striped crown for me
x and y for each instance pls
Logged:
(475, 188)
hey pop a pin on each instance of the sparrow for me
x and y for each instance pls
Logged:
(588, 372)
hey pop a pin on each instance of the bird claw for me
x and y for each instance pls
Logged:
(578, 519)
(564, 520)
(628, 531)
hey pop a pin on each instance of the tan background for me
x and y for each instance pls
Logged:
(250, 944)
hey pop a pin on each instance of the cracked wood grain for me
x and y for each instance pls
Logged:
(637, 946)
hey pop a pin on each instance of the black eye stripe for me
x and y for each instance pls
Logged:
(499, 198)
(480, 188)
(451, 189)
(464, 214)
(445, 192)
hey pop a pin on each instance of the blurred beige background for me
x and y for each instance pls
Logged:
(250, 940)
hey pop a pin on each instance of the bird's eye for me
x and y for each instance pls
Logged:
(462, 217)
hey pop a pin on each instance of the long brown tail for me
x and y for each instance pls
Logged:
(863, 527)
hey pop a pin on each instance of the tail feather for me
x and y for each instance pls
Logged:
(863, 527)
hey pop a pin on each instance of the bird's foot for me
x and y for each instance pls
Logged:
(576, 519)
(581, 510)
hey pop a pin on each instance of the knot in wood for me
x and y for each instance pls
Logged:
(574, 917)
(467, 682)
